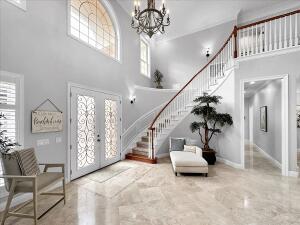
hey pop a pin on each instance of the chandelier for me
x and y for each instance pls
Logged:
(150, 20)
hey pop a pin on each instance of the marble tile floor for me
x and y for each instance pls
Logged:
(151, 195)
(256, 161)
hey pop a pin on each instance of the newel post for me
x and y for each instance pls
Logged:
(152, 141)
(235, 41)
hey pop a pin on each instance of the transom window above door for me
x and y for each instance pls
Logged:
(91, 23)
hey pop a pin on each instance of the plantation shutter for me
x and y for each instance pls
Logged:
(8, 107)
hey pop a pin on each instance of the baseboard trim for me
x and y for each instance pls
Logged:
(229, 163)
(274, 161)
(293, 174)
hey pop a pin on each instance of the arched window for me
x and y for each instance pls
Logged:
(91, 23)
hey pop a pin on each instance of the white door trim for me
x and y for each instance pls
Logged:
(75, 85)
(285, 118)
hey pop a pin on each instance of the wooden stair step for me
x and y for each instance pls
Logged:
(140, 158)
(145, 138)
(142, 144)
(140, 151)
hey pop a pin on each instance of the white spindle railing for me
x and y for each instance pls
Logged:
(200, 83)
(273, 34)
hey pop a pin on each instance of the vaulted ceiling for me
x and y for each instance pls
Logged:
(189, 16)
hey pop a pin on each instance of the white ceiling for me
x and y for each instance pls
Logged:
(189, 16)
(252, 88)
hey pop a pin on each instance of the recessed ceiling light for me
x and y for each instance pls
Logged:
(252, 82)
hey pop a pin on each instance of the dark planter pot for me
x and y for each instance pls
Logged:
(209, 156)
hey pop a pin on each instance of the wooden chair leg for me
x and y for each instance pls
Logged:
(35, 202)
(64, 190)
(9, 200)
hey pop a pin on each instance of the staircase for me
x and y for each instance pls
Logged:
(141, 151)
(265, 36)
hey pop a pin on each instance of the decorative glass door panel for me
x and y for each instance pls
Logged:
(94, 130)
(112, 128)
(86, 136)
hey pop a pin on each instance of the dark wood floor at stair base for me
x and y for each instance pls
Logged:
(141, 158)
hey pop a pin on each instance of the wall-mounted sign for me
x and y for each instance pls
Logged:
(46, 121)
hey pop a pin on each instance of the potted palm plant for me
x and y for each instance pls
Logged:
(209, 124)
(5, 143)
(157, 78)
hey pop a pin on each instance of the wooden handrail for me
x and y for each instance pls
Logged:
(269, 19)
(216, 55)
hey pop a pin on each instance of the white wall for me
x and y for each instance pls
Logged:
(149, 98)
(181, 58)
(35, 44)
(270, 141)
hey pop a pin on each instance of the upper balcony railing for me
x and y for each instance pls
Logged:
(279, 32)
(276, 33)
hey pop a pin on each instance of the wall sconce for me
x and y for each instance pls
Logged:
(132, 99)
(207, 53)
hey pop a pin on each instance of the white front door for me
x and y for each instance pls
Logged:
(95, 130)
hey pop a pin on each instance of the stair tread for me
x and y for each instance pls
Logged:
(143, 142)
(141, 158)
(140, 149)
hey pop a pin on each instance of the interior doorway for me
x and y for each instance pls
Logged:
(95, 130)
(265, 124)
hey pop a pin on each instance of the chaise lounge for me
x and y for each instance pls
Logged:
(187, 158)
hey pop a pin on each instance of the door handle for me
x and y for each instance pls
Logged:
(98, 140)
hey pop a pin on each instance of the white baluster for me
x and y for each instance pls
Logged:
(264, 45)
(244, 42)
(275, 34)
(280, 33)
(261, 39)
(247, 41)
(252, 40)
(291, 31)
(296, 30)
(270, 36)
(256, 39)
(240, 38)
(285, 33)
(228, 47)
